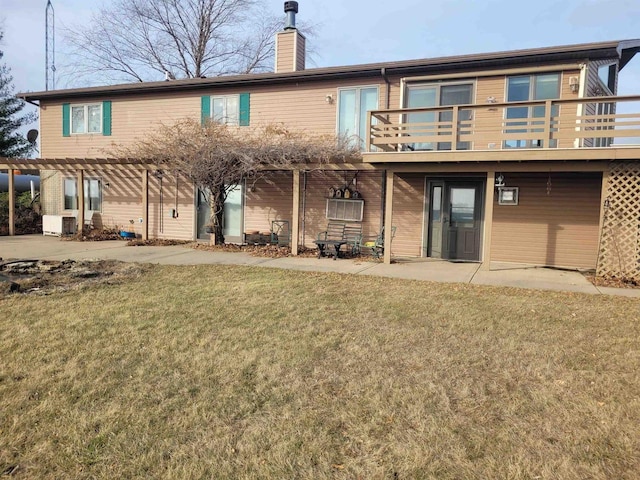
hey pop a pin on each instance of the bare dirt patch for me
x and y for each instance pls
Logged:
(42, 277)
(611, 282)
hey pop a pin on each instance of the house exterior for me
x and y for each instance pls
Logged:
(511, 156)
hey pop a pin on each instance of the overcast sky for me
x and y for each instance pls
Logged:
(361, 31)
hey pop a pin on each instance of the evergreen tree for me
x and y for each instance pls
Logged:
(12, 142)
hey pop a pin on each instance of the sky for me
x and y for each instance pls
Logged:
(361, 31)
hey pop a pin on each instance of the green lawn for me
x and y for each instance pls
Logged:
(232, 372)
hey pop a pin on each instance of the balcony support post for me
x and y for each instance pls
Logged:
(488, 220)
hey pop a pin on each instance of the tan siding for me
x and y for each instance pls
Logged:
(488, 119)
(408, 214)
(131, 119)
(269, 199)
(122, 202)
(559, 229)
(318, 183)
(285, 51)
(161, 225)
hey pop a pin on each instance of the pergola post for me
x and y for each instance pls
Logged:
(145, 204)
(488, 220)
(12, 203)
(295, 220)
(388, 218)
(80, 187)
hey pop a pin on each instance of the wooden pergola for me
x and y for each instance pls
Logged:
(79, 165)
(142, 167)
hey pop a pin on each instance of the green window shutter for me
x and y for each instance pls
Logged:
(205, 111)
(106, 118)
(66, 120)
(244, 109)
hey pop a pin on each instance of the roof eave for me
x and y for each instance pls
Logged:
(623, 50)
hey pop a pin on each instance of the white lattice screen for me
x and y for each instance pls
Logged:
(619, 255)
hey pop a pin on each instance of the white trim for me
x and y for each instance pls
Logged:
(85, 106)
(86, 179)
(358, 88)
(225, 116)
(275, 65)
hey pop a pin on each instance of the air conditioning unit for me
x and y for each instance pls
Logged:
(58, 225)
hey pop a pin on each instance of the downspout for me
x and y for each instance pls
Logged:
(383, 189)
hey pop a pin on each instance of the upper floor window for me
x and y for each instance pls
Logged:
(88, 118)
(226, 109)
(529, 88)
(353, 105)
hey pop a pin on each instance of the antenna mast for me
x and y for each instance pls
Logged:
(50, 46)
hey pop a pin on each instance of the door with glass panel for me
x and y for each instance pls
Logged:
(203, 215)
(232, 218)
(455, 219)
(353, 105)
(530, 119)
(436, 220)
(462, 220)
(432, 124)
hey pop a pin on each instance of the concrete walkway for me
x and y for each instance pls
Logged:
(51, 248)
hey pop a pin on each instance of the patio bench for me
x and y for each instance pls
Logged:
(336, 235)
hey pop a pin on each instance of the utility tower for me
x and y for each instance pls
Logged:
(50, 46)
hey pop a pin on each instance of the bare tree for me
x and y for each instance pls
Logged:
(145, 40)
(216, 157)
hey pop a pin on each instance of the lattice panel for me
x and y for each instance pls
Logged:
(619, 255)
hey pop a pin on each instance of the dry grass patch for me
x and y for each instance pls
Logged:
(232, 372)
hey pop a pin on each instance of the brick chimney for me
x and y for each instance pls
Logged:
(290, 43)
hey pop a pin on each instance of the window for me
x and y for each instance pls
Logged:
(86, 118)
(345, 209)
(353, 105)
(525, 88)
(92, 194)
(90, 118)
(226, 109)
(438, 95)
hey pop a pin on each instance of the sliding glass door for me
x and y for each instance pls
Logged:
(437, 123)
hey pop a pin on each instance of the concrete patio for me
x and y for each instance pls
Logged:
(508, 275)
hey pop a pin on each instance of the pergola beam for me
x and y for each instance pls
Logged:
(145, 204)
(295, 220)
(80, 187)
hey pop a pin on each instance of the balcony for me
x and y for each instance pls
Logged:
(573, 129)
